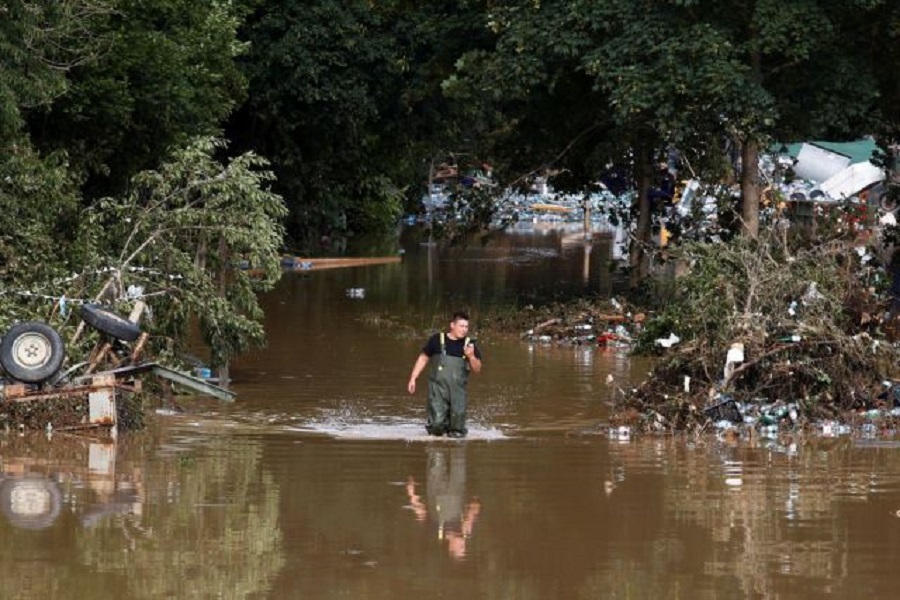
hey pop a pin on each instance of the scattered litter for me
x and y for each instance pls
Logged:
(609, 325)
(735, 355)
(725, 411)
(621, 433)
(769, 431)
(834, 429)
(605, 338)
(868, 430)
(812, 293)
(668, 342)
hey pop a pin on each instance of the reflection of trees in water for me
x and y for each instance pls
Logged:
(139, 526)
(209, 529)
(29, 565)
(763, 521)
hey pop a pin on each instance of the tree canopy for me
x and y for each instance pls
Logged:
(352, 103)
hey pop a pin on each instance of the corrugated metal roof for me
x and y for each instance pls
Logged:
(858, 151)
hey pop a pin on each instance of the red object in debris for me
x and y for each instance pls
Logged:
(605, 338)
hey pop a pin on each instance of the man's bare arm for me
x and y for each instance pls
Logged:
(421, 362)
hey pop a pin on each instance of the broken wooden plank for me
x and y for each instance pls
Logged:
(551, 207)
(316, 264)
(62, 393)
(139, 347)
(14, 390)
(540, 326)
(98, 355)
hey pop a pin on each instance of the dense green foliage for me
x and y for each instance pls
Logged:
(354, 102)
(345, 99)
(39, 42)
(108, 97)
(166, 73)
(178, 236)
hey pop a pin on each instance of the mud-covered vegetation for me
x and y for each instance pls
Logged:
(763, 327)
(63, 413)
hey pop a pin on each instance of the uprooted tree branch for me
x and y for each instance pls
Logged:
(179, 241)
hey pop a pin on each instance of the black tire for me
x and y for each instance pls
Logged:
(110, 323)
(30, 502)
(31, 352)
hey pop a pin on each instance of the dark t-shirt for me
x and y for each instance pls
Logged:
(454, 347)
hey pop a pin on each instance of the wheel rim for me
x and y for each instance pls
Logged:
(32, 350)
(29, 500)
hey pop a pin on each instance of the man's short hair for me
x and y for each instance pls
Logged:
(459, 315)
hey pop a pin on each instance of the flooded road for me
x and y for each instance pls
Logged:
(319, 482)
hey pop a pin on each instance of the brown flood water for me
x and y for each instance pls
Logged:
(319, 483)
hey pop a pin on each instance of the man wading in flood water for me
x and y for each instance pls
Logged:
(452, 356)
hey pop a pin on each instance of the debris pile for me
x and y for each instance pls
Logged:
(607, 323)
(763, 335)
(105, 392)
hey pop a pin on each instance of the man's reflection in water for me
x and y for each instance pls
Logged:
(446, 498)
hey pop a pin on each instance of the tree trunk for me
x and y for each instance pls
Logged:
(750, 188)
(200, 254)
(638, 256)
(222, 372)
